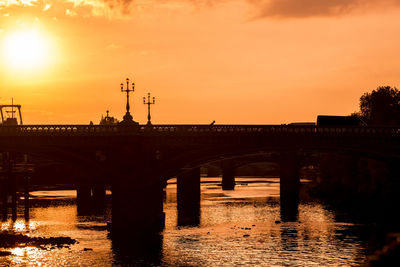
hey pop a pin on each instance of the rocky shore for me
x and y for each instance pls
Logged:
(9, 239)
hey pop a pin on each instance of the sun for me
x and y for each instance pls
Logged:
(25, 50)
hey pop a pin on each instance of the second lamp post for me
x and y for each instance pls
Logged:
(148, 103)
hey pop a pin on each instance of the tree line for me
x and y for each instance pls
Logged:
(381, 107)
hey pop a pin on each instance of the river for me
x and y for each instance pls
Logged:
(240, 227)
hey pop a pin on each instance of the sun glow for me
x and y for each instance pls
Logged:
(26, 50)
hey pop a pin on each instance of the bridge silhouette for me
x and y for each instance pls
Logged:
(136, 160)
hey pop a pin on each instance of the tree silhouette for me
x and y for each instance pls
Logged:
(381, 106)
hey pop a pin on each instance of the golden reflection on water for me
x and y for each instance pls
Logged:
(243, 227)
(5, 226)
(18, 225)
(23, 256)
(19, 251)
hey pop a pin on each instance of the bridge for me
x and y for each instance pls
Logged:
(137, 159)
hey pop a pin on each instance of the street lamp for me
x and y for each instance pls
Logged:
(148, 103)
(128, 117)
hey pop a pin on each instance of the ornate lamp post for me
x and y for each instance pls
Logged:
(128, 117)
(148, 103)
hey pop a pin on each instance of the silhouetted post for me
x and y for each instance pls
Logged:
(4, 196)
(128, 119)
(26, 195)
(289, 186)
(228, 175)
(6, 183)
(11, 183)
(13, 191)
(188, 197)
(148, 103)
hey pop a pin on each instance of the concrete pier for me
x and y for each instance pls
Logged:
(228, 176)
(289, 186)
(90, 194)
(83, 197)
(188, 197)
(99, 192)
(137, 206)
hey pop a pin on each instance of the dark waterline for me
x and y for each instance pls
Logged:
(240, 227)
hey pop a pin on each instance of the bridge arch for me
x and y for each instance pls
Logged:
(196, 158)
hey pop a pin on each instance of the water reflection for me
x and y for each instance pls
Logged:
(239, 227)
(290, 210)
(289, 239)
(139, 250)
(189, 217)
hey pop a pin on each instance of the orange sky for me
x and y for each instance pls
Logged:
(232, 61)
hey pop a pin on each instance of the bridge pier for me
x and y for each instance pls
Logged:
(83, 197)
(188, 197)
(9, 190)
(4, 197)
(90, 194)
(26, 195)
(137, 206)
(83, 193)
(99, 192)
(228, 176)
(289, 186)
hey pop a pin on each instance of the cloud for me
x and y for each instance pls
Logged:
(265, 8)
(261, 8)
(59, 8)
(6, 3)
(311, 8)
(107, 8)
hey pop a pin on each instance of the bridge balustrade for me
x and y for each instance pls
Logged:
(194, 129)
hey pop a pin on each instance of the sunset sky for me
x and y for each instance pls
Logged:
(232, 61)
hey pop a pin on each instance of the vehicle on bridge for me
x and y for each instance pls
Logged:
(328, 120)
(8, 116)
(302, 124)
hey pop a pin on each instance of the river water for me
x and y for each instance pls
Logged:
(240, 227)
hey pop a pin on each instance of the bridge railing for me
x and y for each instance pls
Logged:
(57, 129)
(191, 129)
(295, 129)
